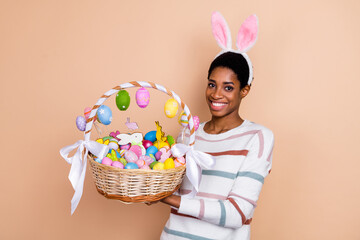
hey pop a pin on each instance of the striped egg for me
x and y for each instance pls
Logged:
(179, 161)
(183, 120)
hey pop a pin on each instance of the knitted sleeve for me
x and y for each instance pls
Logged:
(238, 208)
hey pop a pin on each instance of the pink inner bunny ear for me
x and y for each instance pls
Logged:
(221, 30)
(247, 34)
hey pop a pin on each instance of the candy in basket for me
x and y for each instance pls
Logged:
(135, 167)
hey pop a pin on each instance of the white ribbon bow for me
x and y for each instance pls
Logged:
(195, 162)
(78, 165)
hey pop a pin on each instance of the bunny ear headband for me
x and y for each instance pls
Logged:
(246, 37)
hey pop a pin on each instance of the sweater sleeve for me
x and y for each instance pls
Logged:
(238, 208)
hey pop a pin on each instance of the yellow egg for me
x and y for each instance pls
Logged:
(169, 163)
(171, 108)
(100, 140)
(159, 166)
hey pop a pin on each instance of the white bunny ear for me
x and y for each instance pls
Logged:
(248, 33)
(221, 30)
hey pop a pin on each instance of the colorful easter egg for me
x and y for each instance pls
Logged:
(158, 155)
(113, 145)
(171, 107)
(146, 167)
(122, 100)
(151, 150)
(179, 161)
(87, 112)
(130, 156)
(152, 156)
(140, 163)
(183, 120)
(196, 122)
(81, 123)
(118, 155)
(106, 161)
(100, 140)
(117, 165)
(159, 166)
(131, 165)
(136, 149)
(147, 143)
(169, 163)
(170, 140)
(123, 161)
(122, 152)
(125, 147)
(104, 115)
(99, 160)
(142, 97)
(153, 164)
(151, 136)
(147, 159)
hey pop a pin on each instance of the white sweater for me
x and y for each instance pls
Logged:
(224, 206)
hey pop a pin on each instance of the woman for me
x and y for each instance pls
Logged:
(224, 205)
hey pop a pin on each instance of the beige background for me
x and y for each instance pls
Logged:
(57, 57)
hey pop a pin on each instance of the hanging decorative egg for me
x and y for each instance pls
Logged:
(122, 100)
(104, 115)
(183, 120)
(81, 123)
(171, 108)
(142, 97)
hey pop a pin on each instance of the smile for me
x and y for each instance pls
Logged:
(217, 106)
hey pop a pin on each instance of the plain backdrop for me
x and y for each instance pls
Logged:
(58, 57)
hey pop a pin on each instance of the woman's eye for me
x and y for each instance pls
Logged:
(211, 85)
(229, 88)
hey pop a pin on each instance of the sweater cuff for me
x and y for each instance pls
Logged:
(189, 206)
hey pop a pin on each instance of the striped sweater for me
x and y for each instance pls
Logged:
(224, 206)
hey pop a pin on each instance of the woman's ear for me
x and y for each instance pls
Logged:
(244, 91)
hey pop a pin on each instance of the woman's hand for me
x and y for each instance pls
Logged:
(172, 200)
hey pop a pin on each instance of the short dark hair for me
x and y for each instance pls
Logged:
(235, 62)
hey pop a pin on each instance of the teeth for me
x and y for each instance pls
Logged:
(218, 104)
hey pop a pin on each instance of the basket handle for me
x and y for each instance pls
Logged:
(90, 120)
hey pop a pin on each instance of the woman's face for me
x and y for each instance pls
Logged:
(223, 93)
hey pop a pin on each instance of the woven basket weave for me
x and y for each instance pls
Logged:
(136, 185)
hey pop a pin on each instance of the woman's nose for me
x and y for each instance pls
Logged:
(216, 94)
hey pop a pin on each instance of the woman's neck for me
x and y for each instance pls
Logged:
(222, 124)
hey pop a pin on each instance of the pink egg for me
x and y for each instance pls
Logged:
(179, 161)
(106, 161)
(147, 143)
(136, 149)
(147, 159)
(140, 163)
(130, 156)
(142, 97)
(126, 147)
(196, 122)
(87, 112)
(117, 164)
(145, 167)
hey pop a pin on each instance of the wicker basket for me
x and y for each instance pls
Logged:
(136, 185)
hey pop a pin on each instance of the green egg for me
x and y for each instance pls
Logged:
(152, 164)
(122, 100)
